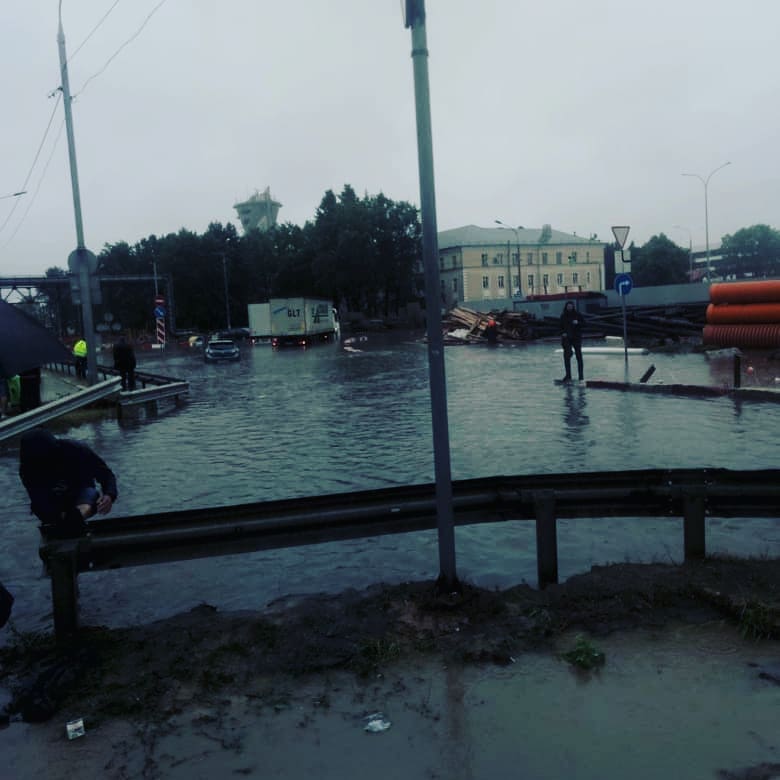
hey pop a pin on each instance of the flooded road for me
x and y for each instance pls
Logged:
(288, 423)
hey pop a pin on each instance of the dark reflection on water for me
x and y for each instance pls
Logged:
(324, 420)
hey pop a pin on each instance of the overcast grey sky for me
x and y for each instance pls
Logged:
(578, 113)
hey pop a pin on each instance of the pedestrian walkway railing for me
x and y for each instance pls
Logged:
(19, 423)
(150, 388)
(689, 494)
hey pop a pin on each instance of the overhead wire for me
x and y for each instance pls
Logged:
(58, 93)
(34, 162)
(126, 43)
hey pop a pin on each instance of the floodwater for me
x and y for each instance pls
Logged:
(288, 423)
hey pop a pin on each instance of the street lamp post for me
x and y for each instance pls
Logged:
(706, 182)
(227, 297)
(690, 250)
(509, 260)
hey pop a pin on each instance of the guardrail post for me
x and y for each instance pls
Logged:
(64, 589)
(693, 526)
(546, 538)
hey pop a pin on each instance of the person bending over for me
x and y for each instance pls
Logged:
(60, 476)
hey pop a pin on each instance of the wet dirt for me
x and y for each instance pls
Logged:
(473, 682)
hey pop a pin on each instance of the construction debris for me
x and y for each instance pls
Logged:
(645, 325)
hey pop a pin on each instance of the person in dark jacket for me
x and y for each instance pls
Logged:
(60, 477)
(124, 362)
(572, 324)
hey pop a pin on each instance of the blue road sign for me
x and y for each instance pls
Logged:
(159, 312)
(623, 284)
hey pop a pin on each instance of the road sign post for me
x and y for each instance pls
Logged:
(623, 285)
(159, 316)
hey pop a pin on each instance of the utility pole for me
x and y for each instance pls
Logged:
(414, 17)
(82, 263)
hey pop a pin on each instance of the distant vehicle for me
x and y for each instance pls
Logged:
(221, 349)
(295, 321)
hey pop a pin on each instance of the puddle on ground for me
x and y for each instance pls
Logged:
(678, 703)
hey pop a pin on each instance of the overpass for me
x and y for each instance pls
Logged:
(31, 288)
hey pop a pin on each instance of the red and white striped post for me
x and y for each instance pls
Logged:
(159, 314)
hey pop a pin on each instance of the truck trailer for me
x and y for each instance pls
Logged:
(294, 321)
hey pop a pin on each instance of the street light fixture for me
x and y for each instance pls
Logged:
(690, 249)
(13, 194)
(509, 260)
(706, 182)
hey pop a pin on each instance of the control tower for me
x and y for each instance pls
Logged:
(259, 211)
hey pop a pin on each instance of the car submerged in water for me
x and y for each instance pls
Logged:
(221, 349)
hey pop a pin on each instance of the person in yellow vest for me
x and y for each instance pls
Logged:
(80, 356)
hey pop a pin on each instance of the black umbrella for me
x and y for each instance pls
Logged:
(25, 343)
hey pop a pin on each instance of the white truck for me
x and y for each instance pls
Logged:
(260, 321)
(293, 321)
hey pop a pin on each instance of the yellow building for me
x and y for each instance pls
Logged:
(479, 264)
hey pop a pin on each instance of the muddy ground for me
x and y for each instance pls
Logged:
(147, 672)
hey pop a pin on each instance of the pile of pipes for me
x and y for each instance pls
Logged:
(744, 314)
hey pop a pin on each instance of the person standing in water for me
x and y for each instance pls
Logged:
(572, 324)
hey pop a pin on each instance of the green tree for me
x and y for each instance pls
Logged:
(751, 252)
(659, 261)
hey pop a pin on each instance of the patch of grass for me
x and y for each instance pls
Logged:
(229, 649)
(755, 621)
(215, 679)
(374, 653)
(266, 633)
(584, 655)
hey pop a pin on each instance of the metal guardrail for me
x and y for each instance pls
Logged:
(691, 494)
(18, 424)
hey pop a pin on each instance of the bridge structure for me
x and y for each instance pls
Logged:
(30, 289)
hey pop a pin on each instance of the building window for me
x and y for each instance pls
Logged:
(546, 280)
(530, 281)
(441, 263)
(559, 278)
(442, 282)
(544, 258)
(575, 278)
(559, 258)
(530, 258)
(454, 261)
(587, 256)
(501, 282)
(484, 260)
(485, 282)
(573, 257)
(515, 258)
(498, 259)
(587, 277)
(455, 284)
(516, 282)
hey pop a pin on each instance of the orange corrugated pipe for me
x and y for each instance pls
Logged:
(759, 291)
(760, 336)
(742, 313)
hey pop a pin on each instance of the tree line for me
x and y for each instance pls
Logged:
(751, 253)
(363, 253)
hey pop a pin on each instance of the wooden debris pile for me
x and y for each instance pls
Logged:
(463, 325)
(644, 324)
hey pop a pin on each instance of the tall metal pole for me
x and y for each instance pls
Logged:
(83, 257)
(415, 18)
(706, 182)
(509, 260)
(227, 298)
